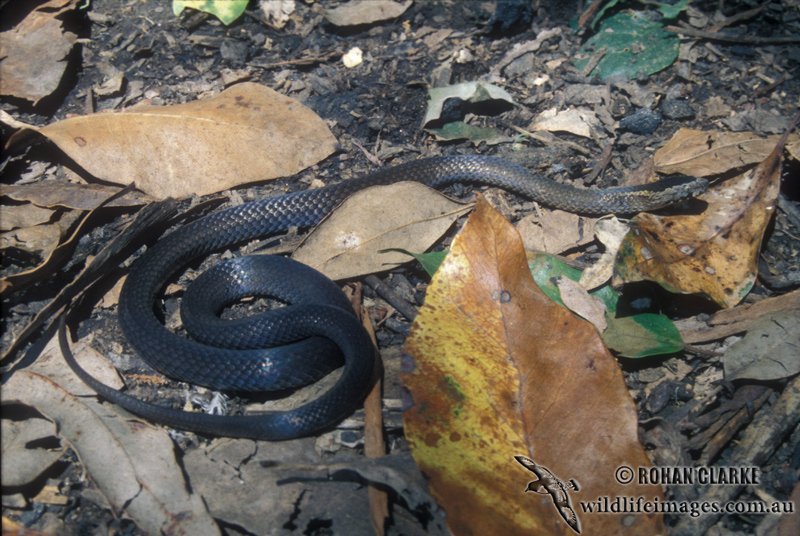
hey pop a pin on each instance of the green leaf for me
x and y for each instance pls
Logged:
(634, 44)
(671, 12)
(642, 335)
(603, 10)
(632, 336)
(430, 261)
(225, 10)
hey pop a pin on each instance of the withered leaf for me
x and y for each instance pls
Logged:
(497, 370)
(77, 196)
(714, 252)
(768, 351)
(705, 153)
(34, 52)
(246, 133)
(346, 244)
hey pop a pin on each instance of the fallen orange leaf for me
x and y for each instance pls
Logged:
(716, 252)
(496, 370)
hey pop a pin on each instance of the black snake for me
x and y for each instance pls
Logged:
(319, 312)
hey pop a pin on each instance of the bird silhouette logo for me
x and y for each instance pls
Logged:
(556, 488)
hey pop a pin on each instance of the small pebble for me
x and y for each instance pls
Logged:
(643, 121)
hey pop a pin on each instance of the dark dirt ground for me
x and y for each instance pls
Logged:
(380, 106)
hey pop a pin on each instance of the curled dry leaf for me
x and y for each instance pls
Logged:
(714, 252)
(496, 370)
(246, 133)
(468, 92)
(610, 232)
(707, 153)
(578, 300)
(132, 464)
(346, 244)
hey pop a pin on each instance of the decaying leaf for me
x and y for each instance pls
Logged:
(357, 12)
(578, 300)
(346, 244)
(769, 351)
(707, 153)
(132, 464)
(245, 134)
(714, 252)
(33, 54)
(497, 370)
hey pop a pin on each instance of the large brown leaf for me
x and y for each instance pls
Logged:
(350, 240)
(497, 370)
(246, 133)
(705, 153)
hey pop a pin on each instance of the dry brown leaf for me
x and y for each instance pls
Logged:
(555, 231)
(707, 153)
(22, 460)
(346, 244)
(34, 52)
(39, 240)
(729, 322)
(51, 364)
(580, 122)
(246, 133)
(42, 241)
(20, 216)
(714, 253)
(610, 232)
(76, 196)
(578, 300)
(358, 12)
(497, 370)
(45, 241)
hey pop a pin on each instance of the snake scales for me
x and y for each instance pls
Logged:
(319, 312)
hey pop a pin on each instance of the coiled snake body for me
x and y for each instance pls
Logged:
(319, 308)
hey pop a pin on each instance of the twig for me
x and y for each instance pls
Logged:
(402, 306)
(716, 36)
(552, 140)
(736, 18)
